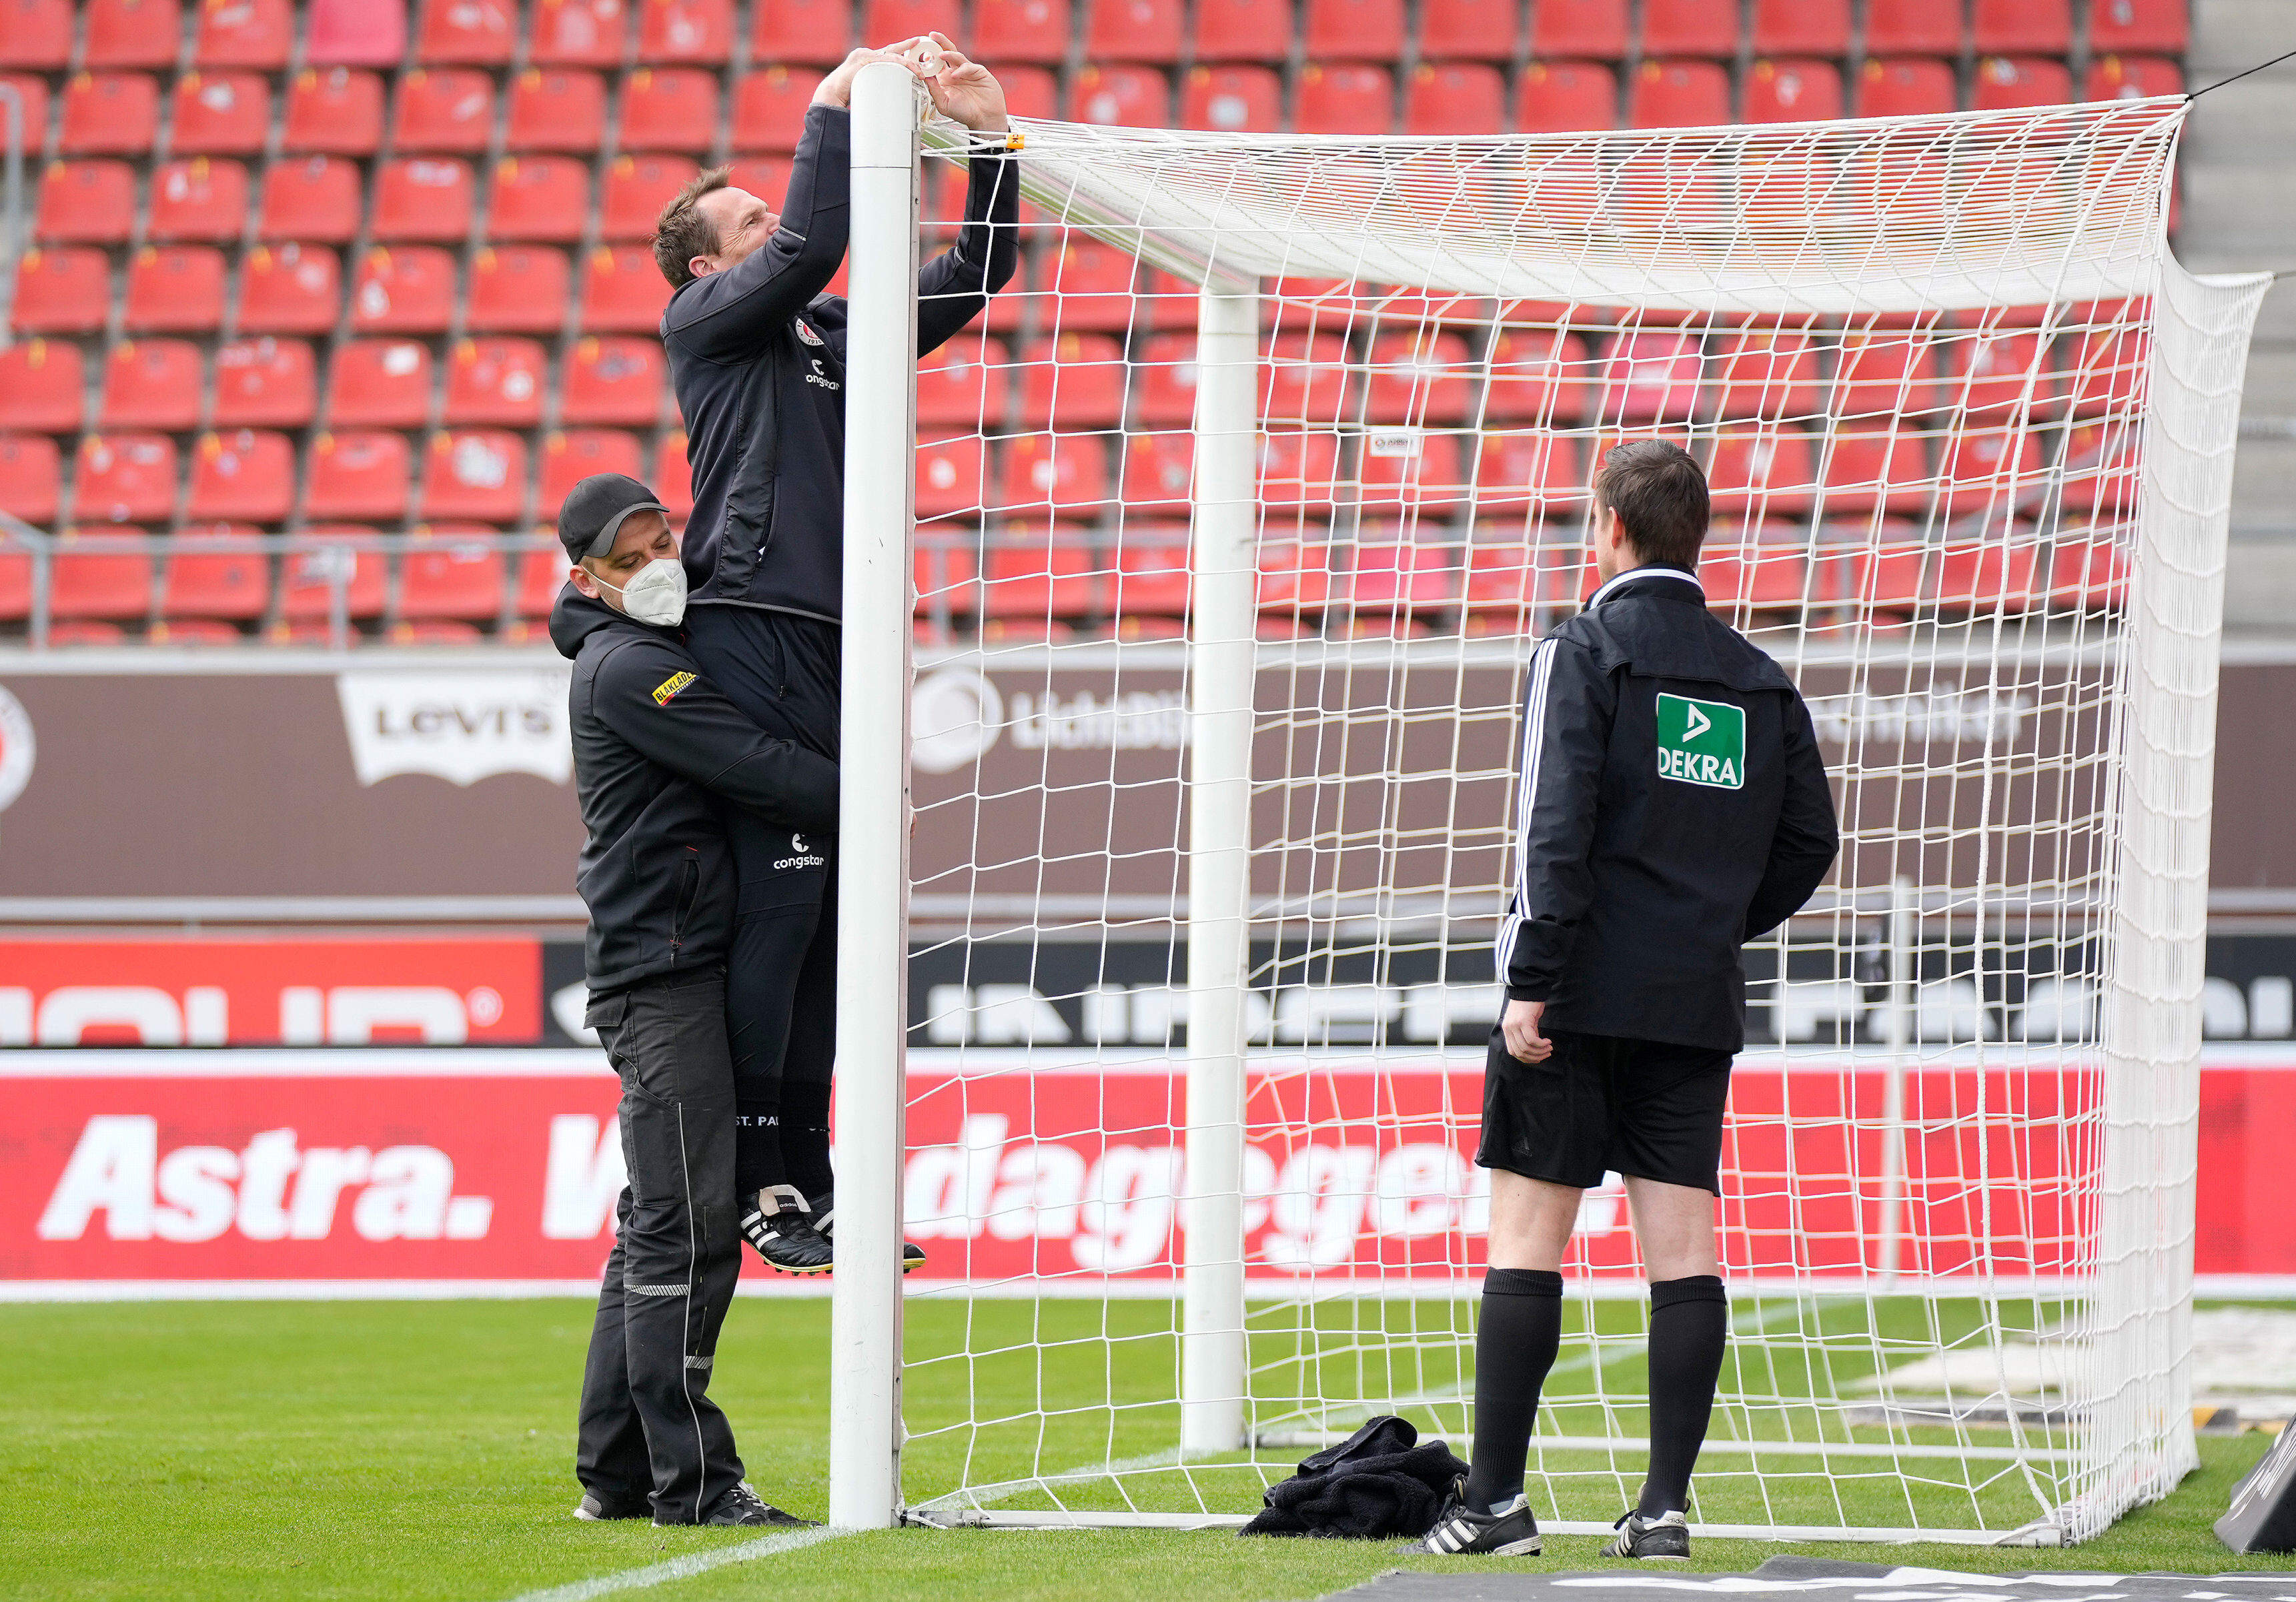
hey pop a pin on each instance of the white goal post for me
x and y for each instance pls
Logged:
(1962, 1159)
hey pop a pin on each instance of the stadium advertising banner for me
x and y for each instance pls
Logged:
(472, 1172)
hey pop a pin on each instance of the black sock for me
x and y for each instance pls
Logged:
(1690, 1324)
(805, 1137)
(757, 1149)
(1516, 1333)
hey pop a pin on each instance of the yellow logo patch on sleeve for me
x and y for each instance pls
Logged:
(669, 687)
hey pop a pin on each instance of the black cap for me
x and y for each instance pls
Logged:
(594, 511)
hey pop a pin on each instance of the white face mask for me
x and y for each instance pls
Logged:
(657, 595)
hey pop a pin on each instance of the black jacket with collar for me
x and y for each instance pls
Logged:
(1672, 806)
(657, 751)
(756, 357)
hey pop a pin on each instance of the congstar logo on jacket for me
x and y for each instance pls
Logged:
(1701, 742)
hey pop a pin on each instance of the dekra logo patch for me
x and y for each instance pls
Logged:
(1701, 742)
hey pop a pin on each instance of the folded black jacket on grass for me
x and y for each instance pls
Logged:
(1378, 1484)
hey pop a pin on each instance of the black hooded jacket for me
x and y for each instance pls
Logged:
(656, 752)
(757, 356)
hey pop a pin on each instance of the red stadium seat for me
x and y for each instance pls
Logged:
(32, 95)
(316, 198)
(2109, 367)
(473, 33)
(173, 288)
(1911, 28)
(1876, 467)
(1768, 372)
(422, 198)
(1167, 364)
(814, 33)
(66, 290)
(477, 473)
(380, 383)
(541, 579)
(308, 579)
(944, 570)
(449, 109)
(1466, 31)
(1297, 469)
(574, 455)
(1669, 94)
(1419, 377)
(887, 20)
(125, 479)
(1359, 30)
(1503, 583)
(1689, 28)
(673, 476)
(1158, 468)
(1304, 381)
(42, 384)
(1022, 30)
(556, 108)
(769, 108)
(1090, 288)
(1884, 372)
(1538, 375)
(1243, 31)
(97, 576)
(2088, 576)
(612, 380)
(1403, 576)
(1566, 97)
(265, 383)
(2100, 469)
(1532, 469)
(246, 476)
(1233, 99)
(1988, 578)
(577, 33)
(132, 33)
(1456, 99)
(245, 33)
(1401, 469)
(1906, 87)
(406, 290)
(539, 198)
(638, 187)
(517, 288)
(1151, 569)
(456, 578)
(38, 35)
(2132, 78)
(337, 111)
(31, 478)
(1651, 378)
(1762, 471)
(951, 474)
(623, 293)
(109, 114)
(220, 114)
(1996, 372)
(2162, 27)
(2006, 83)
(1792, 91)
(1596, 29)
(669, 109)
(1054, 473)
(355, 33)
(496, 382)
(152, 384)
(1819, 27)
(1134, 31)
(2010, 26)
(1295, 574)
(765, 176)
(87, 203)
(1345, 98)
(290, 290)
(1135, 97)
(1054, 576)
(699, 32)
(963, 384)
(216, 572)
(204, 198)
(356, 474)
(1073, 381)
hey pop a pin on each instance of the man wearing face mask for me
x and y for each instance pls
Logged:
(662, 762)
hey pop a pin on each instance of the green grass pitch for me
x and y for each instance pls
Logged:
(420, 1450)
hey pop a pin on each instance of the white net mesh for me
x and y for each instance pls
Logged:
(1969, 430)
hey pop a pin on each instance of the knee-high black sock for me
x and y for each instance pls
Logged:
(756, 1146)
(1690, 1324)
(805, 1136)
(1516, 1333)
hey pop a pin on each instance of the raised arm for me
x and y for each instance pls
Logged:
(1566, 717)
(954, 288)
(1807, 839)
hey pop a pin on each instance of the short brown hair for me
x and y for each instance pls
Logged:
(1659, 492)
(682, 233)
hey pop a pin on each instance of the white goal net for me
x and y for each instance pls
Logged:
(1234, 527)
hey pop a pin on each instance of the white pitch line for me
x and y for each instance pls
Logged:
(682, 1568)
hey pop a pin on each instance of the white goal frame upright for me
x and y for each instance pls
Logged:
(2146, 1168)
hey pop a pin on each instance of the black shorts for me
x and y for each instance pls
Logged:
(1637, 1108)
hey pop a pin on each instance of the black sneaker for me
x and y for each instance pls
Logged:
(1665, 1538)
(824, 1219)
(740, 1505)
(781, 1229)
(1461, 1532)
(596, 1511)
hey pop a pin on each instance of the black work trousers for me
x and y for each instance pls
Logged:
(648, 1428)
(782, 671)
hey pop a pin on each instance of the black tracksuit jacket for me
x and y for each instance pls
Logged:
(1672, 806)
(756, 357)
(656, 751)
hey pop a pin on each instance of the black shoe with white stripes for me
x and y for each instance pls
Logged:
(595, 1510)
(740, 1505)
(1461, 1532)
(824, 1219)
(1665, 1538)
(781, 1227)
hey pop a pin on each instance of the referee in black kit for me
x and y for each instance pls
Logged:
(757, 356)
(1672, 806)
